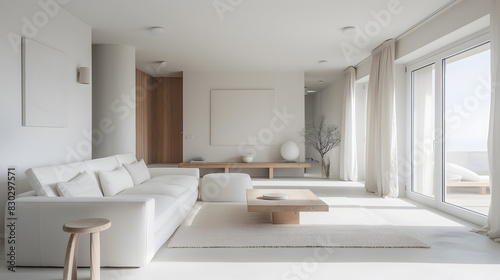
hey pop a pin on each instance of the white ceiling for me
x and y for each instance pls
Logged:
(251, 35)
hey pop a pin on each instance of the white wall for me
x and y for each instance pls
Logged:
(289, 95)
(113, 100)
(25, 147)
(329, 102)
(457, 22)
(360, 91)
(311, 113)
(461, 20)
(465, 18)
(402, 97)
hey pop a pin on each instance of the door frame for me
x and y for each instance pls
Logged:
(439, 181)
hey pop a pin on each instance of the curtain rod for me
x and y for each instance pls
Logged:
(422, 21)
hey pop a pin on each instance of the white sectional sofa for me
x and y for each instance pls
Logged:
(143, 216)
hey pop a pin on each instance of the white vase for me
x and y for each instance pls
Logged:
(325, 168)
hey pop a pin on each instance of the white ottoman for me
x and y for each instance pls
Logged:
(225, 187)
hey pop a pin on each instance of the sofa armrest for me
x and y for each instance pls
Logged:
(28, 193)
(159, 171)
(40, 240)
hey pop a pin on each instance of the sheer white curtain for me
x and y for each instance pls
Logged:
(348, 155)
(493, 226)
(381, 136)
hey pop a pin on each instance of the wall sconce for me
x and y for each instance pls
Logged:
(84, 75)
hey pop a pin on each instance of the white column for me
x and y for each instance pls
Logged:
(113, 100)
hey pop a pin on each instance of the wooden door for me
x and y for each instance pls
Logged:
(166, 129)
(159, 118)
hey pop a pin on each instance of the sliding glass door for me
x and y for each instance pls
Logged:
(424, 124)
(467, 99)
(450, 103)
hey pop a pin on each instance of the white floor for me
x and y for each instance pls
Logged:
(455, 253)
(469, 198)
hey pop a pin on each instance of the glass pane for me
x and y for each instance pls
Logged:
(467, 97)
(423, 92)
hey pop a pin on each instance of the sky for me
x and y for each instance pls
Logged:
(467, 103)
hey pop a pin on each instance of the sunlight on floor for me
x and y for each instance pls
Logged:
(455, 253)
(470, 199)
(302, 182)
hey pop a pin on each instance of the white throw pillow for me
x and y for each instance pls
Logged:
(82, 185)
(138, 171)
(44, 179)
(125, 158)
(115, 181)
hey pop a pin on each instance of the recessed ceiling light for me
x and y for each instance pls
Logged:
(322, 61)
(157, 30)
(160, 65)
(311, 91)
(320, 81)
(349, 30)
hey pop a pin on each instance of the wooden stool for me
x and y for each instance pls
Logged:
(92, 226)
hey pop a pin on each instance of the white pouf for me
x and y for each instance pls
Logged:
(225, 187)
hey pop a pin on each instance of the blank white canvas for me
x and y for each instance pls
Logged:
(45, 80)
(236, 116)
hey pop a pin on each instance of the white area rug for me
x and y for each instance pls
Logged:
(346, 225)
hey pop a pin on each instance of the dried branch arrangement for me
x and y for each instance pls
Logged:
(323, 138)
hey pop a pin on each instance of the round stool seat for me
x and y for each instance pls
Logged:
(87, 225)
(92, 226)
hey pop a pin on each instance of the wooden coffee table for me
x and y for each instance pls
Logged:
(285, 211)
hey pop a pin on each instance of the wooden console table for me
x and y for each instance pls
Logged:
(228, 165)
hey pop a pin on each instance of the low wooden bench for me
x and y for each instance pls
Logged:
(483, 186)
(227, 166)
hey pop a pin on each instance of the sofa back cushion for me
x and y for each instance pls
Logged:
(138, 171)
(101, 164)
(113, 182)
(125, 158)
(44, 180)
(82, 185)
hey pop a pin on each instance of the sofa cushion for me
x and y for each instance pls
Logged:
(125, 158)
(155, 189)
(189, 182)
(44, 180)
(101, 164)
(82, 185)
(166, 207)
(115, 181)
(138, 171)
